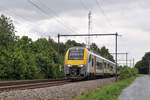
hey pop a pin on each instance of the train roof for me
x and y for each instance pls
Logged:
(100, 57)
(75, 47)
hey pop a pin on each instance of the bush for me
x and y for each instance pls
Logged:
(127, 72)
(134, 71)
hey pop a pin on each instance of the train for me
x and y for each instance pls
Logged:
(81, 63)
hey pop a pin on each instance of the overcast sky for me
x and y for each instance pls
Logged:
(43, 18)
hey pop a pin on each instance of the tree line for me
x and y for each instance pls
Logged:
(22, 58)
(144, 64)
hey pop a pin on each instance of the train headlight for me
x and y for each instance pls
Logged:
(80, 65)
(69, 65)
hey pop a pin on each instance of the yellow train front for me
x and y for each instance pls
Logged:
(81, 63)
(76, 63)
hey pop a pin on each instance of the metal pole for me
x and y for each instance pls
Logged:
(89, 28)
(130, 63)
(126, 59)
(149, 66)
(116, 54)
(58, 43)
(133, 62)
(58, 52)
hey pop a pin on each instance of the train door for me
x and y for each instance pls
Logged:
(106, 66)
(94, 65)
(99, 67)
(89, 64)
(103, 69)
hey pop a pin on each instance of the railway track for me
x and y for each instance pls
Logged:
(31, 84)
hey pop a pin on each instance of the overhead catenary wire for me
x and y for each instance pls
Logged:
(13, 14)
(58, 20)
(56, 15)
(83, 5)
(43, 11)
(103, 12)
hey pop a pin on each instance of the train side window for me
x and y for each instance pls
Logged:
(111, 68)
(99, 64)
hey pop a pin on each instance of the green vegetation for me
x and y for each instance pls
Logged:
(143, 65)
(110, 92)
(127, 72)
(22, 58)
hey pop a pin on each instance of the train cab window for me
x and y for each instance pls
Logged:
(76, 54)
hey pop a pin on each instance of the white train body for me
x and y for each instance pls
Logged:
(82, 63)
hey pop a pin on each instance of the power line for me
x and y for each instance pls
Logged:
(56, 15)
(83, 5)
(14, 15)
(31, 2)
(43, 11)
(126, 55)
(103, 12)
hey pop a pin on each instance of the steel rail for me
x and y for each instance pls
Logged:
(33, 85)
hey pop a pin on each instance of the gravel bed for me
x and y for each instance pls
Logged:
(63, 92)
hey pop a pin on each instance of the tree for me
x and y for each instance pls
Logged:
(71, 43)
(7, 40)
(46, 57)
(104, 52)
(95, 48)
(7, 32)
(143, 65)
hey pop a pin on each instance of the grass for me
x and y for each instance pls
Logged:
(110, 92)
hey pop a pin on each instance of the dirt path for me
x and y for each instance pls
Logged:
(139, 90)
